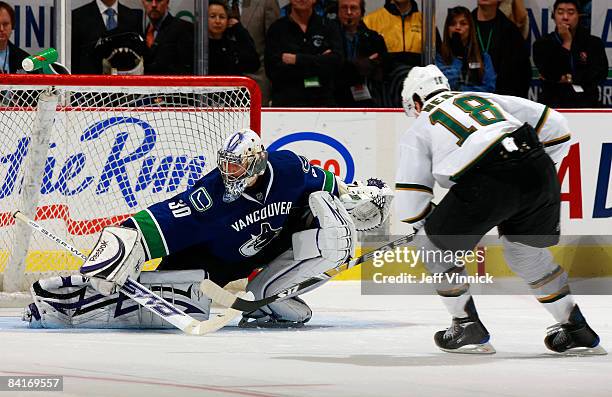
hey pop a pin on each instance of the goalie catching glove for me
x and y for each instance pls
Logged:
(369, 205)
(117, 255)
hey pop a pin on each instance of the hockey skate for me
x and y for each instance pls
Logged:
(270, 319)
(465, 335)
(574, 337)
(267, 321)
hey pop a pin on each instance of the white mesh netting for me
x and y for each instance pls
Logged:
(97, 155)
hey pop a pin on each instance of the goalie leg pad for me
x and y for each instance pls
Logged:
(337, 234)
(281, 273)
(71, 302)
(117, 255)
(305, 244)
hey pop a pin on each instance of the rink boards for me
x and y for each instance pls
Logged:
(360, 144)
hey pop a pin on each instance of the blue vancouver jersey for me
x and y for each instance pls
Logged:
(231, 233)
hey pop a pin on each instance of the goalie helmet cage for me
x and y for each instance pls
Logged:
(78, 153)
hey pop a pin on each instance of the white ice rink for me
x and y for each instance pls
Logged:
(353, 346)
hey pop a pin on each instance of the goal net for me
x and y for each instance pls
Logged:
(78, 153)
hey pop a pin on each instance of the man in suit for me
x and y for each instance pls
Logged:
(257, 16)
(11, 56)
(96, 20)
(169, 40)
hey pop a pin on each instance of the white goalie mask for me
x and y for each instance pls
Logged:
(241, 159)
(422, 82)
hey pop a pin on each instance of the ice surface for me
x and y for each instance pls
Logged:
(354, 346)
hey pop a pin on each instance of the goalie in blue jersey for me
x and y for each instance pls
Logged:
(273, 216)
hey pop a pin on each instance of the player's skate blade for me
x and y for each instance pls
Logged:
(583, 351)
(575, 338)
(484, 348)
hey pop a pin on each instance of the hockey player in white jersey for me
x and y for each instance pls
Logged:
(497, 155)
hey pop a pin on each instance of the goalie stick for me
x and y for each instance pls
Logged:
(227, 299)
(146, 298)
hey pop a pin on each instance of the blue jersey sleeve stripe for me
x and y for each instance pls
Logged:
(152, 234)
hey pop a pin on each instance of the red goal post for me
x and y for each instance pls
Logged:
(78, 153)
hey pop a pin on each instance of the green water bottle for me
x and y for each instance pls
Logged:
(41, 60)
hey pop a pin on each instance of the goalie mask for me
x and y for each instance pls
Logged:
(240, 160)
(121, 54)
(422, 83)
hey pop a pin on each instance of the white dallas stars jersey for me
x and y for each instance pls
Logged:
(454, 130)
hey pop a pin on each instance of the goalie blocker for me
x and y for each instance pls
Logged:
(117, 255)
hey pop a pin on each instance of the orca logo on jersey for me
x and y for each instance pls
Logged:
(256, 243)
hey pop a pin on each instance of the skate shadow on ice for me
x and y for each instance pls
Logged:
(340, 325)
(434, 359)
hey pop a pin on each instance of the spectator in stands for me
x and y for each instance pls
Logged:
(401, 25)
(327, 9)
(231, 50)
(364, 53)
(516, 12)
(170, 41)
(11, 56)
(303, 56)
(501, 39)
(96, 20)
(570, 60)
(257, 16)
(459, 56)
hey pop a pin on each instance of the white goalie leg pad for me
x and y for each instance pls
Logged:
(305, 244)
(117, 255)
(336, 235)
(71, 302)
(368, 204)
(284, 272)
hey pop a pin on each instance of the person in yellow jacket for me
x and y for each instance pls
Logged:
(400, 23)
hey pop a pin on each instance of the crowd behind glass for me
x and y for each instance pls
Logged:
(328, 53)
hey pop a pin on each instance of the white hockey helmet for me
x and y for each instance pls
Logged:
(241, 158)
(421, 82)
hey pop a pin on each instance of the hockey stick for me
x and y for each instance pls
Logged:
(146, 298)
(227, 299)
